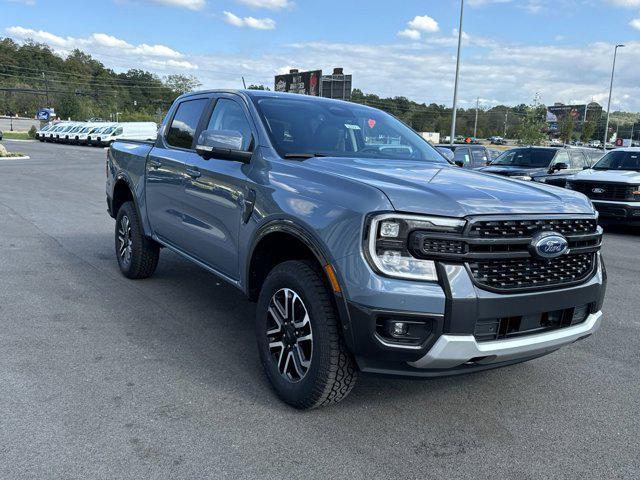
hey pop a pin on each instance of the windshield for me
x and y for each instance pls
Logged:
(302, 127)
(526, 157)
(619, 161)
(109, 130)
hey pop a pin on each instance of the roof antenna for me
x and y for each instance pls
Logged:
(244, 84)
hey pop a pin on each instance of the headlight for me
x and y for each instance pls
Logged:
(387, 244)
(526, 178)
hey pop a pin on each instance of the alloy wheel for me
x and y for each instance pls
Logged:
(289, 334)
(124, 240)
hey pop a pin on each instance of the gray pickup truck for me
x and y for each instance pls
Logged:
(364, 248)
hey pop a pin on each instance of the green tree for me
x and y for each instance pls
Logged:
(257, 87)
(566, 126)
(532, 123)
(180, 84)
(588, 129)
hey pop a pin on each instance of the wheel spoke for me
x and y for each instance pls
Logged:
(289, 334)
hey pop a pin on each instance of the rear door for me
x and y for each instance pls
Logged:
(217, 190)
(479, 157)
(462, 154)
(166, 171)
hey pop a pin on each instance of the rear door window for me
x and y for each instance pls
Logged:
(185, 122)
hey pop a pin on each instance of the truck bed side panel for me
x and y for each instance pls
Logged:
(127, 161)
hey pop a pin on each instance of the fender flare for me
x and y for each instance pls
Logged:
(123, 177)
(292, 228)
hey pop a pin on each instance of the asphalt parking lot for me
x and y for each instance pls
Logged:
(101, 377)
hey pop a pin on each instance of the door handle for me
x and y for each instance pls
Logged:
(155, 164)
(194, 173)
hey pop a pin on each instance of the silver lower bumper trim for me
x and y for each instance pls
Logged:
(451, 351)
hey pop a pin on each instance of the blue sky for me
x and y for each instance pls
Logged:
(514, 49)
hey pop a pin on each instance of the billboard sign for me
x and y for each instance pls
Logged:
(45, 114)
(305, 83)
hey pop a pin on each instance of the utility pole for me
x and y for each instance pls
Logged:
(475, 125)
(455, 88)
(506, 120)
(46, 88)
(613, 72)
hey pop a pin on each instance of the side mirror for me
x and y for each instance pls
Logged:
(559, 166)
(224, 144)
(446, 153)
(459, 163)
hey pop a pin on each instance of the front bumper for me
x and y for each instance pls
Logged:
(451, 351)
(453, 310)
(618, 210)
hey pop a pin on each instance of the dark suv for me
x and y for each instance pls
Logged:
(543, 164)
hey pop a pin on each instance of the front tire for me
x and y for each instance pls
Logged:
(137, 255)
(299, 340)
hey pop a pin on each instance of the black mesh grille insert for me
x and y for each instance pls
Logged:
(430, 245)
(606, 191)
(527, 273)
(528, 228)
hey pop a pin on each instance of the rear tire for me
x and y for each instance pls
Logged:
(137, 255)
(299, 340)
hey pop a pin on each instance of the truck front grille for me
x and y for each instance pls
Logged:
(524, 228)
(529, 273)
(606, 191)
(498, 252)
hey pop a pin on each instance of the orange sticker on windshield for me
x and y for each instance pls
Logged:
(372, 123)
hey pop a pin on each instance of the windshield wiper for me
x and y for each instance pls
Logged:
(303, 155)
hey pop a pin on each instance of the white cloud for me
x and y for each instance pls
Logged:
(103, 45)
(626, 3)
(635, 23)
(411, 34)
(424, 23)
(418, 26)
(268, 4)
(188, 4)
(251, 22)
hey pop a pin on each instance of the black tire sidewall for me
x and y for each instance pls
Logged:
(284, 276)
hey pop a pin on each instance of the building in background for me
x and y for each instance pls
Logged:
(337, 85)
(579, 113)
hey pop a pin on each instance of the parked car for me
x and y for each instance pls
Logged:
(94, 136)
(541, 164)
(49, 135)
(469, 156)
(80, 138)
(595, 144)
(131, 131)
(390, 261)
(40, 133)
(497, 141)
(613, 184)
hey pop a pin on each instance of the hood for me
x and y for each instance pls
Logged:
(439, 189)
(612, 176)
(511, 171)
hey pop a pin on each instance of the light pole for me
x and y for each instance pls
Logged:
(613, 72)
(455, 88)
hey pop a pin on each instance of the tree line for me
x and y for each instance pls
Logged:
(80, 87)
(32, 76)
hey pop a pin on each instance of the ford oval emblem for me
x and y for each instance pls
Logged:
(549, 245)
(598, 190)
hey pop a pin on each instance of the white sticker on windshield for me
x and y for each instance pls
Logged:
(352, 127)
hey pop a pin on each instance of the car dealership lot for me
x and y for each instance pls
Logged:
(102, 377)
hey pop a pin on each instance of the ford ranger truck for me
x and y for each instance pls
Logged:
(613, 185)
(363, 247)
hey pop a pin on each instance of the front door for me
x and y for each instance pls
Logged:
(216, 190)
(166, 171)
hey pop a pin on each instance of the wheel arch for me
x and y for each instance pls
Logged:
(300, 245)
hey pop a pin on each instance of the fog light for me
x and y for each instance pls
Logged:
(398, 329)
